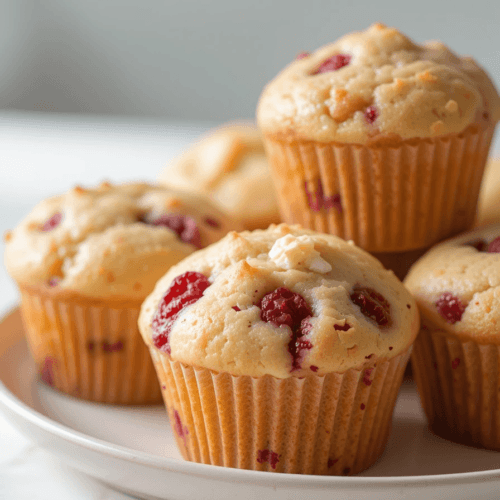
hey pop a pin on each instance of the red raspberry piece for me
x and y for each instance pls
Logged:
(179, 428)
(450, 307)
(455, 363)
(314, 199)
(115, 347)
(494, 246)
(268, 456)
(334, 63)
(479, 245)
(317, 199)
(313, 368)
(333, 202)
(212, 222)
(185, 290)
(284, 307)
(297, 346)
(373, 305)
(366, 376)
(332, 462)
(47, 371)
(371, 114)
(54, 281)
(302, 55)
(51, 223)
(183, 225)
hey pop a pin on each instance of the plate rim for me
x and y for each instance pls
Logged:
(10, 402)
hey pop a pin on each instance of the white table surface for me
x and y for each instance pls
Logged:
(41, 155)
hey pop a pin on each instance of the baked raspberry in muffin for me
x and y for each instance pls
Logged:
(280, 350)
(229, 164)
(84, 262)
(456, 355)
(380, 140)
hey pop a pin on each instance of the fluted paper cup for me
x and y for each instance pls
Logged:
(89, 349)
(389, 197)
(334, 424)
(459, 387)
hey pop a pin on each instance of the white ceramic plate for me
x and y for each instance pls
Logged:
(133, 450)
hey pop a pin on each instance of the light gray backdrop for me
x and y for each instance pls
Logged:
(198, 59)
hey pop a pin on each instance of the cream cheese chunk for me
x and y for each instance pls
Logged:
(291, 252)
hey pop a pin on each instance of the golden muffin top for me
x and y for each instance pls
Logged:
(113, 241)
(285, 301)
(229, 164)
(376, 84)
(457, 285)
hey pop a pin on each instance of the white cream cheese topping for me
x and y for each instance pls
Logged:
(291, 252)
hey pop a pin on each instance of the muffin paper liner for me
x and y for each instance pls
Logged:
(386, 198)
(459, 386)
(89, 350)
(332, 424)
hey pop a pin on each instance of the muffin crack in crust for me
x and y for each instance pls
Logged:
(267, 311)
(108, 241)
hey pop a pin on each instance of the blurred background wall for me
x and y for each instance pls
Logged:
(198, 59)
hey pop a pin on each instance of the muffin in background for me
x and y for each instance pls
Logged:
(280, 350)
(84, 262)
(488, 209)
(229, 164)
(456, 357)
(380, 140)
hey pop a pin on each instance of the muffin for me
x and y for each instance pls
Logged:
(229, 164)
(280, 350)
(380, 140)
(84, 262)
(488, 210)
(456, 355)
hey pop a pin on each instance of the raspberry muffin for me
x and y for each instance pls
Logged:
(280, 350)
(229, 164)
(456, 355)
(380, 140)
(84, 262)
